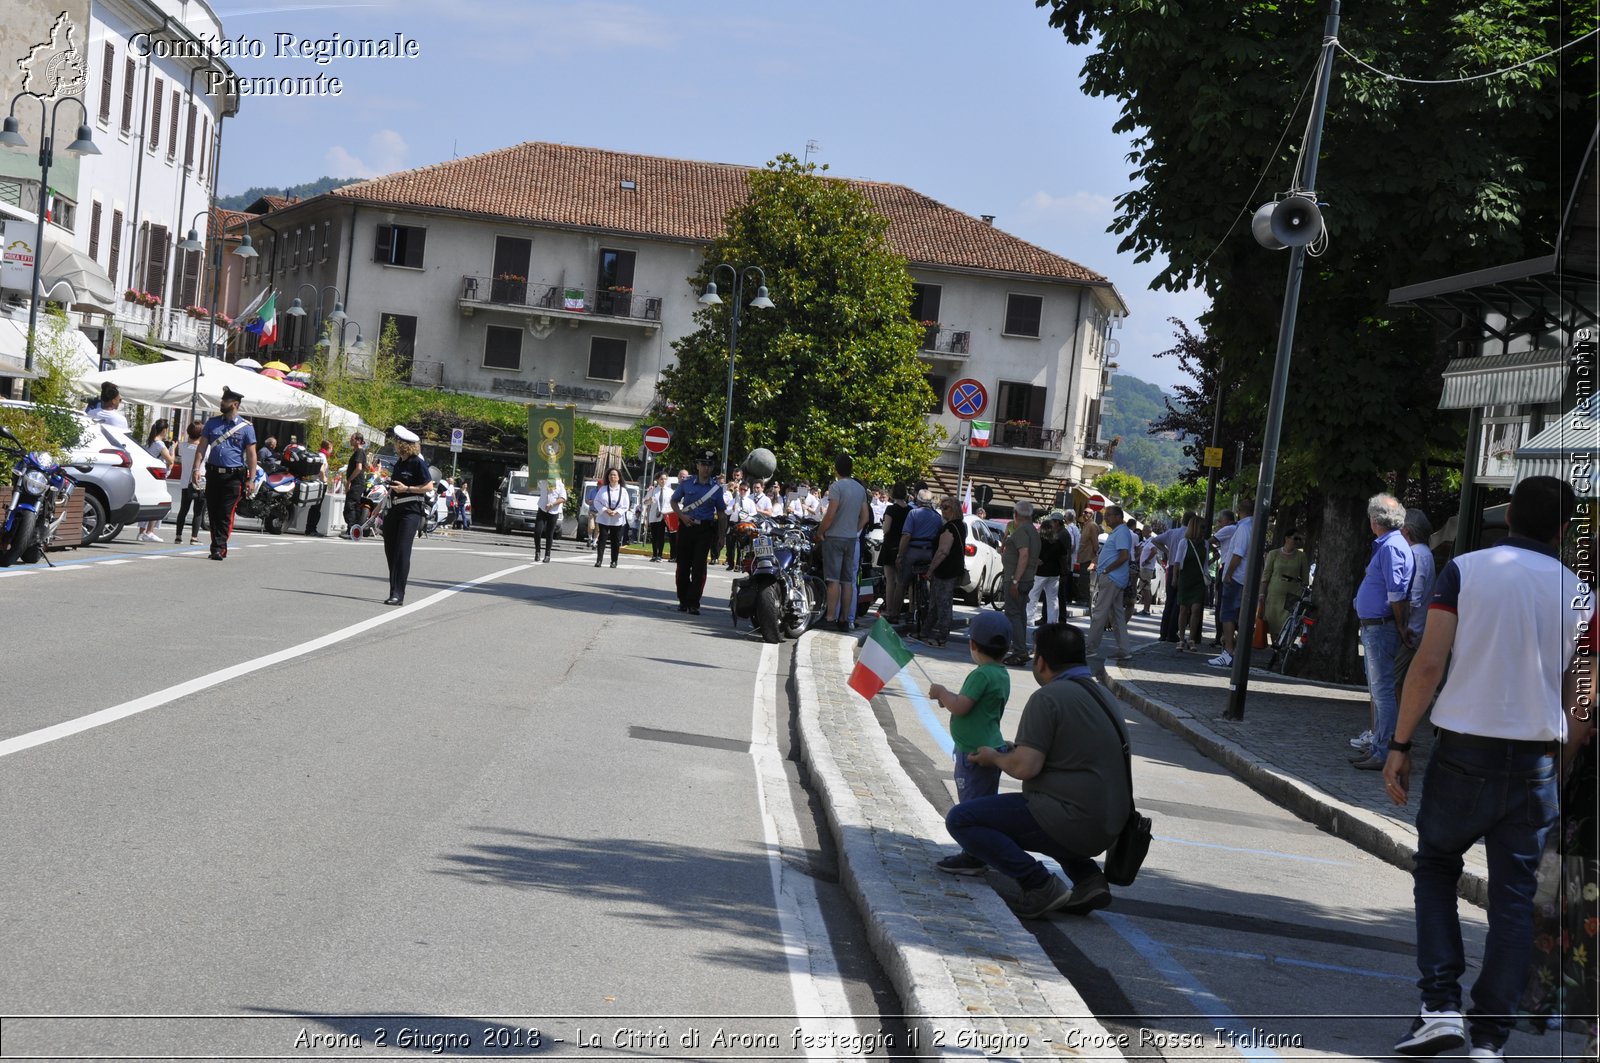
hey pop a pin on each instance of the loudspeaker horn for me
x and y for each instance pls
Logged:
(1261, 226)
(760, 464)
(1296, 221)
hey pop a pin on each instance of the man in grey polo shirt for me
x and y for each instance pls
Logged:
(848, 512)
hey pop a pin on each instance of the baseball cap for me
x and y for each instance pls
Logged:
(991, 632)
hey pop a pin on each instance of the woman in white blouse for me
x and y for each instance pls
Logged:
(610, 508)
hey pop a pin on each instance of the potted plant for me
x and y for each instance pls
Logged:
(617, 300)
(509, 288)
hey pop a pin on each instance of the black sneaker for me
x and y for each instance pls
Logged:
(1433, 1032)
(962, 864)
(1087, 896)
(1037, 903)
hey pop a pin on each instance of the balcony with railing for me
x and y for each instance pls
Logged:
(1013, 435)
(168, 325)
(1099, 451)
(542, 299)
(945, 342)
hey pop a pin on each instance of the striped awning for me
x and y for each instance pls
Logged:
(1504, 379)
(1567, 449)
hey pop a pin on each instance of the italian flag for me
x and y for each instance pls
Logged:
(269, 320)
(980, 433)
(882, 657)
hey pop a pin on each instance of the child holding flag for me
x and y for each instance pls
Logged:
(975, 720)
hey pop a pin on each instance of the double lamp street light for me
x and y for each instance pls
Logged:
(11, 137)
(192, 242)
(760, 302)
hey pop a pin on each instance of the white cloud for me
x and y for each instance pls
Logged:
(385, 152)
(1088, 206)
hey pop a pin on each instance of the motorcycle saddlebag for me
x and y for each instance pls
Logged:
(744, 598)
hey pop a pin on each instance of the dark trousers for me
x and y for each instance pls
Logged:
(353, 514)
(400, 527)
(544, 530)
(1000, 831)
(1169, 611)
(191, 497)
(694, 543)
(658, 537)
(607, 534)
(223, 490)
(314, 517)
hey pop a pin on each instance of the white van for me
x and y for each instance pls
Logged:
(516, 506)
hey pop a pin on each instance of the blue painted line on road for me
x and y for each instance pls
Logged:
(1180, 978)
(1255, 852)
(1289, 961)
(930, 719)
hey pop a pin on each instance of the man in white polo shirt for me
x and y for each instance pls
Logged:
(1508, 619)
(1235, 549)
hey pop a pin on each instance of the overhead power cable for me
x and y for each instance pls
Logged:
(1456, 81)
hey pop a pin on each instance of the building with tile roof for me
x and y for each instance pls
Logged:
(549, 272)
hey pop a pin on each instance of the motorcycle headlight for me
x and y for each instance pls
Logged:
(35, 482)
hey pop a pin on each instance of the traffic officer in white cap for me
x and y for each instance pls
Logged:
(409, 485)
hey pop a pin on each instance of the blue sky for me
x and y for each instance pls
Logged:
(973, 102)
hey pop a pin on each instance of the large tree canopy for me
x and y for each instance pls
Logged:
(833, 365)
(1418, 182)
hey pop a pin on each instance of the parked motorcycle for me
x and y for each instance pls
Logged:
(781, 590)
(273, 501)
(39, 492)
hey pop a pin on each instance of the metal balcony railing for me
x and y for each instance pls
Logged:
(1098, 450)
(1027, 437)
(939, 340)
(541, 295)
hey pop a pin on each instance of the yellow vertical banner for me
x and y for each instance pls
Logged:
(550, 442)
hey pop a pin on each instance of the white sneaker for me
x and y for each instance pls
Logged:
(1222, 660)
(1433, 1032)
(1363, 739)
(1485, 1052)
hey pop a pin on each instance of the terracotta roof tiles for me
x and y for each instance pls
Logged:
(557, 184)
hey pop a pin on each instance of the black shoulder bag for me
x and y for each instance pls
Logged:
(1132, 843)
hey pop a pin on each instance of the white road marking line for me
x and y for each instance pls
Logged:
(813, 970)
(118, 561)
(162, 697)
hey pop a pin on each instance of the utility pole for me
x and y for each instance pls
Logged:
(1216, 441)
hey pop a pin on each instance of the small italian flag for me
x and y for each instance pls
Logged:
(269, 320)
(882, 657)
(980, 433)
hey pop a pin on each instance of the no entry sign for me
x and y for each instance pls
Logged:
(968, 398)
(656, 439)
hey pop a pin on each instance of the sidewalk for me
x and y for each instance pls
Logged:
(971, 979)
(1292, 746)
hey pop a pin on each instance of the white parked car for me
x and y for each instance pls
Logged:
(149, 476)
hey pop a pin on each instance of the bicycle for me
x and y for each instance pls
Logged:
(1295, 634)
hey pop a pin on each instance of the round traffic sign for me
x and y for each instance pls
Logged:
(968, 398)
(656, 439)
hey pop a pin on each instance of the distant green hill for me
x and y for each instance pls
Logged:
(1127, 410)
(305, 191)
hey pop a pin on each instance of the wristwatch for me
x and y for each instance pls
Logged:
(1399, 747)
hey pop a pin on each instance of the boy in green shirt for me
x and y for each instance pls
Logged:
(975, 720)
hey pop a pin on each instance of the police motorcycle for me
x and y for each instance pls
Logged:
(781, 590)
(281, 488)
(40, 489)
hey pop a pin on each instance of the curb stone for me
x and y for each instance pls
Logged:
(1391, 842)
(971, 980)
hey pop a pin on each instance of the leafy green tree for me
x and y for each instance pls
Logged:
(833, 365)
(49, 425)
(1420, 182)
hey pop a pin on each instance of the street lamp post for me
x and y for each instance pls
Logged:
(192, 242)
(760, 302)
(83, 145)
(297, 308)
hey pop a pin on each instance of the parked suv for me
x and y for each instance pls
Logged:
(110, 498)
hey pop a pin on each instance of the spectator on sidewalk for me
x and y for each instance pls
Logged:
(839, 535)
(893, 524)
(1113, 570)
(355, 485)
(1149, 553)
(1221, 540)
(949, 558)
(157, 444)
(1067, 590)
(1381, 611)
(1019, 565)
(917, 538)
(1044, 595)
(657, 502)
(1508, 619)
(1088, 551)
(1416, 529)
(975, 716)
(1074, 798)
(1230, 601)
(1167, 543)
(193, 497)
(1283, 580)
(1189, 567)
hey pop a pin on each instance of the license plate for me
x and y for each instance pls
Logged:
(762, 547)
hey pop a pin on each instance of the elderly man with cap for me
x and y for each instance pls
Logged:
(227, 453)
(697, 501)
(409, 485)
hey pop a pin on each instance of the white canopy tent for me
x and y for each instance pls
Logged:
(172, 383)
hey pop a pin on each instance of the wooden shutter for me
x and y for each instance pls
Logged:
(205, 138)
(155, 263)
(129, 73)
(106, 75)
(115, 258)
(415, 240)
(384, 246)
(155, 114)
(172, 124)
(94, 231)
(188, 139)
(191, 278)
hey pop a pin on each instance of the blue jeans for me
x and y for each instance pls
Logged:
(973, 780)
(1509, 799)
(1378, 645)
(1001, 832)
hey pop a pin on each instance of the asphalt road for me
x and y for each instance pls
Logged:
(535, 797)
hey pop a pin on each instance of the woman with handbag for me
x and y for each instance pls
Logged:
(156, 444)
(1189, 560)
